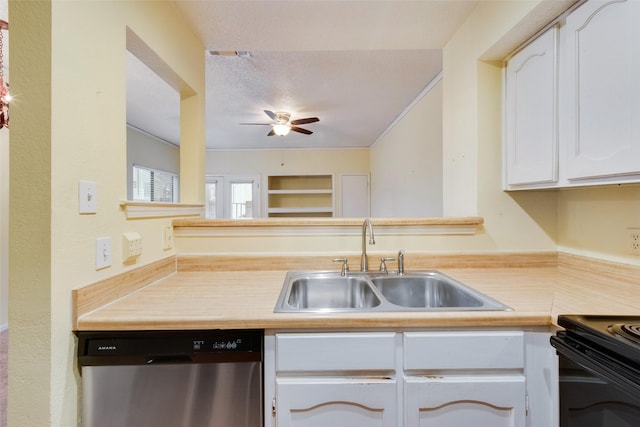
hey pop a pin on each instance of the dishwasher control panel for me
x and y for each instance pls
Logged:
(148, 347)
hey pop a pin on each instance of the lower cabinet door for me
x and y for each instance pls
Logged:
(497, 401)
(336, 402)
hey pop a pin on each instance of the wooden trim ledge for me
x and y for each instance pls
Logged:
(414, 261)
(322, 226)
(329, 222)
(137, 210)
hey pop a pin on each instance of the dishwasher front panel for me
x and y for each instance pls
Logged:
(207, 378)
(181, 395)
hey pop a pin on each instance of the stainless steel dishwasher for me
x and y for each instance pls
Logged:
(171, 378)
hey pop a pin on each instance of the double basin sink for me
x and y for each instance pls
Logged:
(424, 290)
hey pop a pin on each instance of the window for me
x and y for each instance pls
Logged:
(151, 185)
(232, 196)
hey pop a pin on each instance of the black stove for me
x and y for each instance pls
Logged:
(617, 335)
(599, 360)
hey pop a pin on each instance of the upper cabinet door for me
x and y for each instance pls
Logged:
(531, 136)
(600, 93)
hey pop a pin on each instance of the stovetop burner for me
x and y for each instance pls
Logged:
(630, 331)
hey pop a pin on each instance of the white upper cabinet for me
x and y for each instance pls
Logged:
(599, 91)
(531, 136)
(572, 101)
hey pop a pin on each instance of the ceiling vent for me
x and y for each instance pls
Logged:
(239, 53)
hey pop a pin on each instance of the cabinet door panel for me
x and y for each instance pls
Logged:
(465, 401)
(323, 402)
(341, 351)
(426, 351)
(531, 137)
(601, 95)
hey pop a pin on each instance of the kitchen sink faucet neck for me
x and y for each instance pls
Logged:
(401, 262)
(364, 261)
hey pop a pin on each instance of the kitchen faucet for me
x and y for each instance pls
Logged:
(364, 261)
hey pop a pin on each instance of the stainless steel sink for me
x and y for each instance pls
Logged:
(326, 292)
(329, 291)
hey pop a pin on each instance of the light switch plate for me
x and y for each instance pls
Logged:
(103, 252)
(87, 197)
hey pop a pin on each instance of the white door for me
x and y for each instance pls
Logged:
(531, 137)
(335, 402)
(465, 401)
(355, 196)
(600, 94)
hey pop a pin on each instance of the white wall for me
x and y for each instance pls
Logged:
(406, 164)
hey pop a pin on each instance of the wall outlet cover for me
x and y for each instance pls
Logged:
(633, 240)
(131, 246)
(168, 238)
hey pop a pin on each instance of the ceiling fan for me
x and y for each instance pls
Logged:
(282, 123)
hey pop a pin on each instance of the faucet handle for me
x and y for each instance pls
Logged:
(345, 265)
(383, 264)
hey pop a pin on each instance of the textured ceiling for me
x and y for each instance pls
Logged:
(354, 64)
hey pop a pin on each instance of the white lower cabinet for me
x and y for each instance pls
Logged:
(336, 402)
(454, 401)
(440, 378)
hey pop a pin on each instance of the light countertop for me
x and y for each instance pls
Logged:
(246, 299)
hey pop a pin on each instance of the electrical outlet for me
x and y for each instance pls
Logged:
(633, 236)
(103, 252)
(168, 238)
(131, 246)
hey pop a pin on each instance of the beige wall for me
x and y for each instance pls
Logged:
(594, 221)
(406, 164)
(4, 192)
(69, 125)
(4, 228)
(472, 137)
(286, 161)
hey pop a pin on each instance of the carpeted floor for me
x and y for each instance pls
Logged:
(4, 349)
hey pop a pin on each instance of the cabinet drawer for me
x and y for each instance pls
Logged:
(463, 350)
(336, 352)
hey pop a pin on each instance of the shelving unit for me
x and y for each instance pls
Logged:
(300, 196)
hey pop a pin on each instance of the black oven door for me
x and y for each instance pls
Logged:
(594, 390)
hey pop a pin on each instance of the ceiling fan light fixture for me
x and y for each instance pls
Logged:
(281, 129)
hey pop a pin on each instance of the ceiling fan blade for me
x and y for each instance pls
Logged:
(305, 121)
(273, 132)
(271, 114)
(301, 130)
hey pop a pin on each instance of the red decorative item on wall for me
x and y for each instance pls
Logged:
(5, 96)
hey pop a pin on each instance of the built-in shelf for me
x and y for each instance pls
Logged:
(300, 196)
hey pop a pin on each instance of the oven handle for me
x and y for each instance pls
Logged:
(614, 373)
